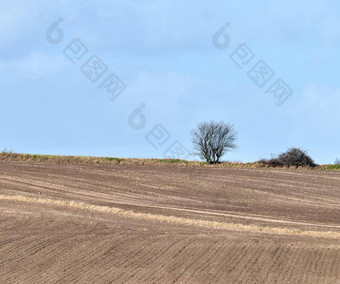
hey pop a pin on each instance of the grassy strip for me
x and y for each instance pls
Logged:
(10, 156)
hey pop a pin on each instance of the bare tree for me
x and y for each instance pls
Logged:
(212, 140)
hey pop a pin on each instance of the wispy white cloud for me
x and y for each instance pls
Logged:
(38, 65)
(321, 100)
(33, 66)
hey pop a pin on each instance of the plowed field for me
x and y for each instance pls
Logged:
(79, 223)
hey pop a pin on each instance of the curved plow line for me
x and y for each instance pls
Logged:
(173, 219)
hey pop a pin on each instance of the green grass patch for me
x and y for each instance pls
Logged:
(118, 160)
(170, 161)
(333, 167)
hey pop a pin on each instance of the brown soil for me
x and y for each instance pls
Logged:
(127, 223)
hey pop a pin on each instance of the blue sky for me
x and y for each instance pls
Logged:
(163, 52)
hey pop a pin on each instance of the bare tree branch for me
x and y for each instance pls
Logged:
(212, 140)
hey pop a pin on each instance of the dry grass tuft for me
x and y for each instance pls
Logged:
(173, 219)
